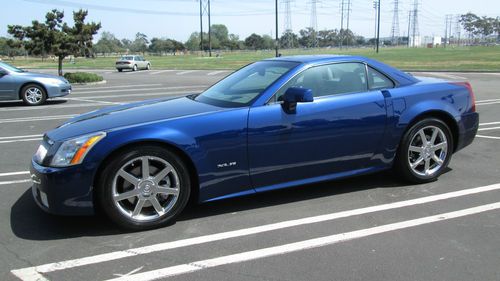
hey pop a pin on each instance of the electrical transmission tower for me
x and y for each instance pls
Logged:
(345, 10)
(205, 10)
(288, 24)
(414, 26)
(458, 29)
(395, 24)
(314, 23)
(447, 30)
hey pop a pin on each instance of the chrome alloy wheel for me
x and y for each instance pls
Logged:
(427, 151)
(33, 95)
(145, 188)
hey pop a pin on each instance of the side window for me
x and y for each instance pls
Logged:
(331, 79)
(377, 80)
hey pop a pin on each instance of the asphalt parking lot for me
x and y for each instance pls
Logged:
(368, 228)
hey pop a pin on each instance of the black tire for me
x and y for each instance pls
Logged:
(109, 181)
(134, 68)
(33, 94)
(148, 67)
(119, 69)
(404, 156)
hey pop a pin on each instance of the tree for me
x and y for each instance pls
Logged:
(10, 48)
(307, 37)
(268, 42)
(140, 44)
(234, 42)
(289, 39)
(254, 41)
(220, 35)
(468, 22)
(108, 43)
(84, 33)
(55, 37)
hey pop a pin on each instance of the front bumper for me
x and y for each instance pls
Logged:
(62, 191)
(58, 91)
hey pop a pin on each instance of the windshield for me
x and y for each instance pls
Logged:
(9, 67)
(127, 58)
(243, 86)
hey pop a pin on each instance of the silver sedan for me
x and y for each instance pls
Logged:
(133, 63)
(32, 88)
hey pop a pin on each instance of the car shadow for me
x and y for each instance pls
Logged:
(8, 104)
(29, 222)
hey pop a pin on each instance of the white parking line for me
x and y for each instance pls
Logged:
(34, 273)
(300, 246)
(141, 95)
(31, 119)
(489, 123)
(56, 106)
(217, 72)
(13, 182)
(20, 140)
(490, 100)
(488, 103)
(161, 71)
(14, 173)
(20, 137)
(92, 101)
(488, 137)
(185, 72)
(133, 72)
(114, 87)
(488, 129)
(134, 89)
(445, 75)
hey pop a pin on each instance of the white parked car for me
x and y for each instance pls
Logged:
(133, 63)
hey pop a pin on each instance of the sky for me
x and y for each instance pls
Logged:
(177, 19)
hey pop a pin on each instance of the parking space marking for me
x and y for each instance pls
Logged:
(301, 245)
(134, 89)
(488, 129)
(13, 182)
(185, 72)
(32, 119)
(217, 72)
(34, 273)
(489, 123)
(92, 101)
(161, 71)
(115, 87)
(14, 173)
(445, 75)
(20, 137)
(132, 72)
(488, 137)
(141, 95)
(52, 106)
(21, 140)
(488, 103)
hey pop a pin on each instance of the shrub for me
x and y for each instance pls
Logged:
(82, 77)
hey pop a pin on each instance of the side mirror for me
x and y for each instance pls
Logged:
(294, 95)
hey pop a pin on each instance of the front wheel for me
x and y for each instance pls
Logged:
(143, 188)
(33, 94)
(425, 151)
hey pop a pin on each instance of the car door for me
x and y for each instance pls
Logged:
(7, 86)
(336, 134)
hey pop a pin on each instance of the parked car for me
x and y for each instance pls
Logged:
(133, 63)
(32, 88)
(273, 124)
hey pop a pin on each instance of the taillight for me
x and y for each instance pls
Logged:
(471, 93)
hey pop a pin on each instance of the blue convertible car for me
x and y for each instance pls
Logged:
(273, 124)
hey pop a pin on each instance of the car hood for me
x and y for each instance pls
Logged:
(35, 75)
(115, 117)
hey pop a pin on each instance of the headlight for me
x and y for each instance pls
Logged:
(73, 151)
(52, 81)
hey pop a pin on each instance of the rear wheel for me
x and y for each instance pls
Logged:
(145, 187)
(134, 68)
(120, 70)
(33, 94)
(425, 151)
(148, 67)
